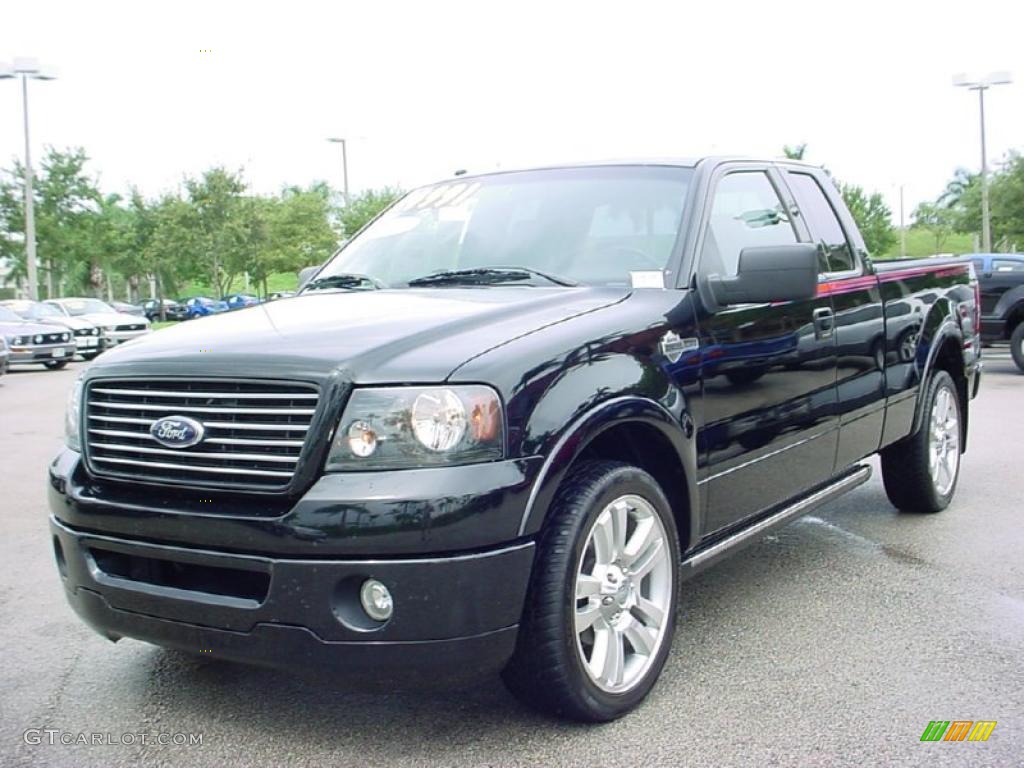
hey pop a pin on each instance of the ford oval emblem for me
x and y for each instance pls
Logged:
(177, 431)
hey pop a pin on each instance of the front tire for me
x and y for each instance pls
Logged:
(599, 616)
(920, 472)
(56, 365)
(1017, 345)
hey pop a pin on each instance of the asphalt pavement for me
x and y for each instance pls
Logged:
(833, 642)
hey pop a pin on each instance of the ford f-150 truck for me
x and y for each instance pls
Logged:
(501, 427)
(1001, 281)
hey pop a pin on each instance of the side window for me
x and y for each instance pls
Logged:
(1007, 265)
(746, 211)
(835, 251)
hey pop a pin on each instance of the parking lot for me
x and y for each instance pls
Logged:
(833, 642)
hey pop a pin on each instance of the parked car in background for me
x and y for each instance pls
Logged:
(115, 326)
(241, 300)
(172, 310)
(29, 342)
(89, 340)
(128, 309)
(1001, 276)
(5, 355)
(201, 306)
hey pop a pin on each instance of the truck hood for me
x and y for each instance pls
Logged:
(407, 335)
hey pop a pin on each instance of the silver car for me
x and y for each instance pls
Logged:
(89, 340)
(49, 345)
(116, 327)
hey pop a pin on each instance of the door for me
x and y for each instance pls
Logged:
(768, 370)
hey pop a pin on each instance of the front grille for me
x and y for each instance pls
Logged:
(85, 332)
(254, 430)
(51, 338)
(131, 327)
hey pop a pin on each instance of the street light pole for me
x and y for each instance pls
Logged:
(28, 69)
(981, 85)
(344, 165)
(30, 214)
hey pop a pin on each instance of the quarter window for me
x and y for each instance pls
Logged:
(746, 212)
(835, 254)
(1007, 265)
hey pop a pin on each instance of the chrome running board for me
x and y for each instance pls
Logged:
(704, 558)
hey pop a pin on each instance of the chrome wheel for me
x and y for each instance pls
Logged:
(944, 441)
(623, 594)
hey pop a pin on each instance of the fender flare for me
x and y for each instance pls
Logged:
(947, 329)
(616, 411)
(1009, 304)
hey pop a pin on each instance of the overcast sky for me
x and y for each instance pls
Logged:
(425, 88)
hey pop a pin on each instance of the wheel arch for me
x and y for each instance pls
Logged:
(945, 353)
(634, 429)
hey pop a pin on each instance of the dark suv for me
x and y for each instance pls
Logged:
(1001, 276)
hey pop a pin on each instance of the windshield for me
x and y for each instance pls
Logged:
(34, 310)
(87, 306)
(7, 316)
(583, 225)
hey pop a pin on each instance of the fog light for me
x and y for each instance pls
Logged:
(376, 600)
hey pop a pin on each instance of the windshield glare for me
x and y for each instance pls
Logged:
(588, 225)
(87, 306)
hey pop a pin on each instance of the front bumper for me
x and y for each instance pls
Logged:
(113, 338)
(455, 617)
(43, 353)
(89, 344)
(282, 590)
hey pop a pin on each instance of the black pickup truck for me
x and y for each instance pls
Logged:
(502, 426)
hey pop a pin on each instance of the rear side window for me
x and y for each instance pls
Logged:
(746, 212)
(834, 251)
(1007, 265)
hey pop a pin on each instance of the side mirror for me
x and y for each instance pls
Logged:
(770, 273)
(306, 274)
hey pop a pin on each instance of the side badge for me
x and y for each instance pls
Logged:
(673, 346)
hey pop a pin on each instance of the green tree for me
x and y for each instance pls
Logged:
(67, 201)
(795, 151)
(364, 206)
(937, 220)
(873, 217)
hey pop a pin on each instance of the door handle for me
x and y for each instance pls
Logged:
(824, 323)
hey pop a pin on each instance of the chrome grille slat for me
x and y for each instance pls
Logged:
(223, 395)
(208, 440)
(224, 456)
(254, 438)
(216, 470)
(210, 424)
(179, 407)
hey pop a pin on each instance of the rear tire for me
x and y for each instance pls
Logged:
(920, 472)
(1017, 345)
(599, 617)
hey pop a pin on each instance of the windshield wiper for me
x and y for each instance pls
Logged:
(487, 276)
(346, 281)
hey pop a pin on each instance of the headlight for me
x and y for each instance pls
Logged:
(38, 339)
(95, 331)
(65, 337)
(18, 341)
(73, 416)
(404, 427)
